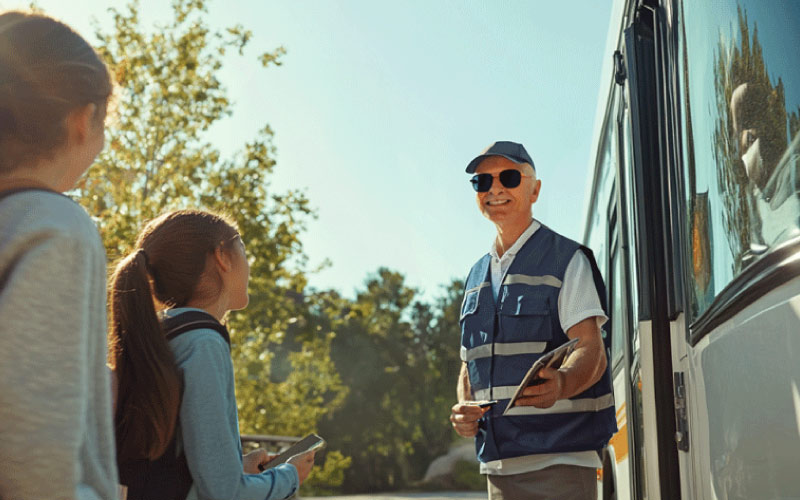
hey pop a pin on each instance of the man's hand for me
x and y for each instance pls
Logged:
(580, 370)
(465, 418)
(546, 394)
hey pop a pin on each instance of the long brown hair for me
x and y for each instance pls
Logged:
(170, 257)
(46, 71)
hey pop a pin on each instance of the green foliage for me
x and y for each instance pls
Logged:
(327, 477)
(399, 359)
(306, 395)
(158, 158)
(467, 477)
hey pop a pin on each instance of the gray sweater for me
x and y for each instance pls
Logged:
(56, 432)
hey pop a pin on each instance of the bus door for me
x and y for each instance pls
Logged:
(624, 286)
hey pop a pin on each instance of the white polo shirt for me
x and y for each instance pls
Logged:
(577, 300)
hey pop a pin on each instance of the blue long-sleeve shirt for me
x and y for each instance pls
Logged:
(209, 424)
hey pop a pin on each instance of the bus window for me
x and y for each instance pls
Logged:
(740, 85)
(618, 318)
(596, 234)
(626, 157)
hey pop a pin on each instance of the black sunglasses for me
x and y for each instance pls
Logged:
(508, 178)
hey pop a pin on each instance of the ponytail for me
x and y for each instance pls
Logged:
(149, 380)
(173, 250)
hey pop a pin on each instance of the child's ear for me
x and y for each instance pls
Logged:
(79, 122)
(223, 259)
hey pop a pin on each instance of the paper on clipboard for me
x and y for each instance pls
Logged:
(551, 359)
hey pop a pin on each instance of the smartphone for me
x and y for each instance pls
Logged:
(308, 443)
(482, 404)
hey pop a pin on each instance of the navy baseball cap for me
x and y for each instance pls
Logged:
(513, 151)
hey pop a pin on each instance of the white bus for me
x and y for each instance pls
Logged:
(693, 212)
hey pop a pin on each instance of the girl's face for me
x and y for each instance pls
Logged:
(86, 140)
(238, 276)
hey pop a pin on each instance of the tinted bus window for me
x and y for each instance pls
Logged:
(596, 236)
(617, 304)
(626, 157)
(740, 85)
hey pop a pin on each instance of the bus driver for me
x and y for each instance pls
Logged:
(533, 291)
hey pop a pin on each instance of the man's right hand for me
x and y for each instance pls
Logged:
(303, 463)
(465, 418)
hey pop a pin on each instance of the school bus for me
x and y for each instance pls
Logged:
(693, 211)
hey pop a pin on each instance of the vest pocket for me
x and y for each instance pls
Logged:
(525, 318)
(470, 304)
(476, 323)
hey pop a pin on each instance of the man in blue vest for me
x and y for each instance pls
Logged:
(532, 292)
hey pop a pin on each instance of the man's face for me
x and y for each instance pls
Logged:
(501, 204)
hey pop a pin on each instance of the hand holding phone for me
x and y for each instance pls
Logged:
(303, 463)
(482, 404)
(312, 442)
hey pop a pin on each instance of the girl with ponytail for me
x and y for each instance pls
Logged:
(56, 434)
(175, 396)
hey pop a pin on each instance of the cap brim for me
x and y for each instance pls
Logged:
(478, 159)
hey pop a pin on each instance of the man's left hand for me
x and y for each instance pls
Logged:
(546, 394)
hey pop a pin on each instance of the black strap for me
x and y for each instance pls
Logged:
(598, 279)
(602, 294)
(193, 320)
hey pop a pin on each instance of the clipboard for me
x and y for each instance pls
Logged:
(550, 359)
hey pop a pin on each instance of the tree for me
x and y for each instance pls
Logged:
(158, 158)
(399, 358)
(440, 336)
(762, 113)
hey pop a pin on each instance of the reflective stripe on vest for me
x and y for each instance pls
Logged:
(560, 406)
(527, 463)
(502, 349)
(475, 289)
(524, 279)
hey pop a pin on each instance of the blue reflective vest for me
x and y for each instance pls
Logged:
(501, 340)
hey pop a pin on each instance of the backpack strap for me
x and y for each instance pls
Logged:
(193, 320)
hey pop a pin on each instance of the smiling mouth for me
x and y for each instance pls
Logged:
(494, 203)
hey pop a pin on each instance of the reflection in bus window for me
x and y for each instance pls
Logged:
(596, 238)
(626, 155)
(618, 319)
(741, 89)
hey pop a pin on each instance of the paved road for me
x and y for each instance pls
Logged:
(406, 496)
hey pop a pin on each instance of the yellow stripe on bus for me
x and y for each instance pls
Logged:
(620, 443)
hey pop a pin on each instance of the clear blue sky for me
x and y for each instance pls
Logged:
(379, 106)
